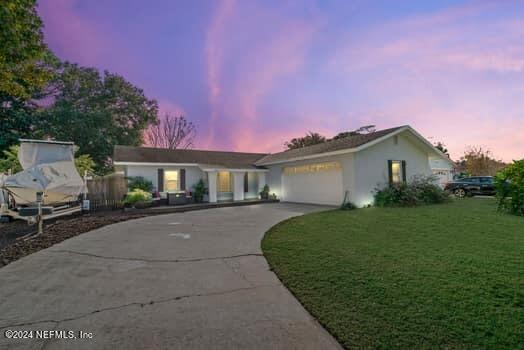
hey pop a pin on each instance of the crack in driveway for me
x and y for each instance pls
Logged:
(141, 304)
(154, 260)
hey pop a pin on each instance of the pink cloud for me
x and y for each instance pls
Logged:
(451, 39)
(451, 76)
(214, 51)
(262, 55)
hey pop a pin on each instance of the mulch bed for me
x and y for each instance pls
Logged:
(13, 247)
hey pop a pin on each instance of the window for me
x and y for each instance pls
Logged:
(171, 180)
(486, 180)
(224, 181)
(396, 171)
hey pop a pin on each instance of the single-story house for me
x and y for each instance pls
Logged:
(349, 168)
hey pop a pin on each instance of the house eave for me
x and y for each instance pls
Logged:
(362, 147)
(243, 170)
(153, 164)
(201, 166)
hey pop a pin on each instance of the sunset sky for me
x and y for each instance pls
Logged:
(253, 74)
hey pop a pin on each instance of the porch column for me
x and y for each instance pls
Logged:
(261, 181)
(238, 185)
(212, 186)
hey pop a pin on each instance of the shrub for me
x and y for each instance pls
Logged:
(139, 182)
(509, 183)
(136, 196)
(264, 194)
(420, 190)
(199, 190)
(348, 206)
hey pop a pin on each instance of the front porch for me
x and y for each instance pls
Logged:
(226, 185)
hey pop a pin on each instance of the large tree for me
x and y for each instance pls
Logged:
(22, 50)
(479, 161)
(26, 65)
(366, 129)
(311, 138)
(96, 111)
(442, 148)
(172, 132)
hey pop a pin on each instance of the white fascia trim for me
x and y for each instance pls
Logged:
(435, 150)
(155, 164)
(236, 170)
(342, 151)
(312, 156)
(362, 147)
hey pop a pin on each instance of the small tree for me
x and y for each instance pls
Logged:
(311, 138)
(85, 164)
(171, 132)
(509, 183)
(264, 194)
(199, 191)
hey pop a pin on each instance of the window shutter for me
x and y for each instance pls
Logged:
(404, 171)
(390, 171)
(160, 180)
(182, 179)
(246, 184)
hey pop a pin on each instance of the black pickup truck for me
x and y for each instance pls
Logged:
(469, 186)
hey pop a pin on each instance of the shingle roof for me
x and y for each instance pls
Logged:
(329, 146)
(232, 160)
(239, 160)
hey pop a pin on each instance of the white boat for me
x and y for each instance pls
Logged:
(48, 167)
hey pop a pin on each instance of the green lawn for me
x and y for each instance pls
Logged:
(440, 276)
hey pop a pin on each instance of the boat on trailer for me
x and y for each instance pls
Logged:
(49, 178)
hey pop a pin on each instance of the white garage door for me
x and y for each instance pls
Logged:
(442, 176)
(319, 183)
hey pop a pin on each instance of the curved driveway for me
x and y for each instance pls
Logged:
(194, 280)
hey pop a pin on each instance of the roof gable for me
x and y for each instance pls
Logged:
(349, 142)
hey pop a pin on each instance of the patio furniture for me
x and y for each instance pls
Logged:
(179, 198)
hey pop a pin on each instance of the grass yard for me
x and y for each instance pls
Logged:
(439, 276)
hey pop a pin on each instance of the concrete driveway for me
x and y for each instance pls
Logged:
(194, 280)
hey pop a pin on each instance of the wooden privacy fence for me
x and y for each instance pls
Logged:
(106, 192)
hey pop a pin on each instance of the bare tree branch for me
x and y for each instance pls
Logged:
(171, 132)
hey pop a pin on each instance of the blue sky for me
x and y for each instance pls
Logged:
(253, 74)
